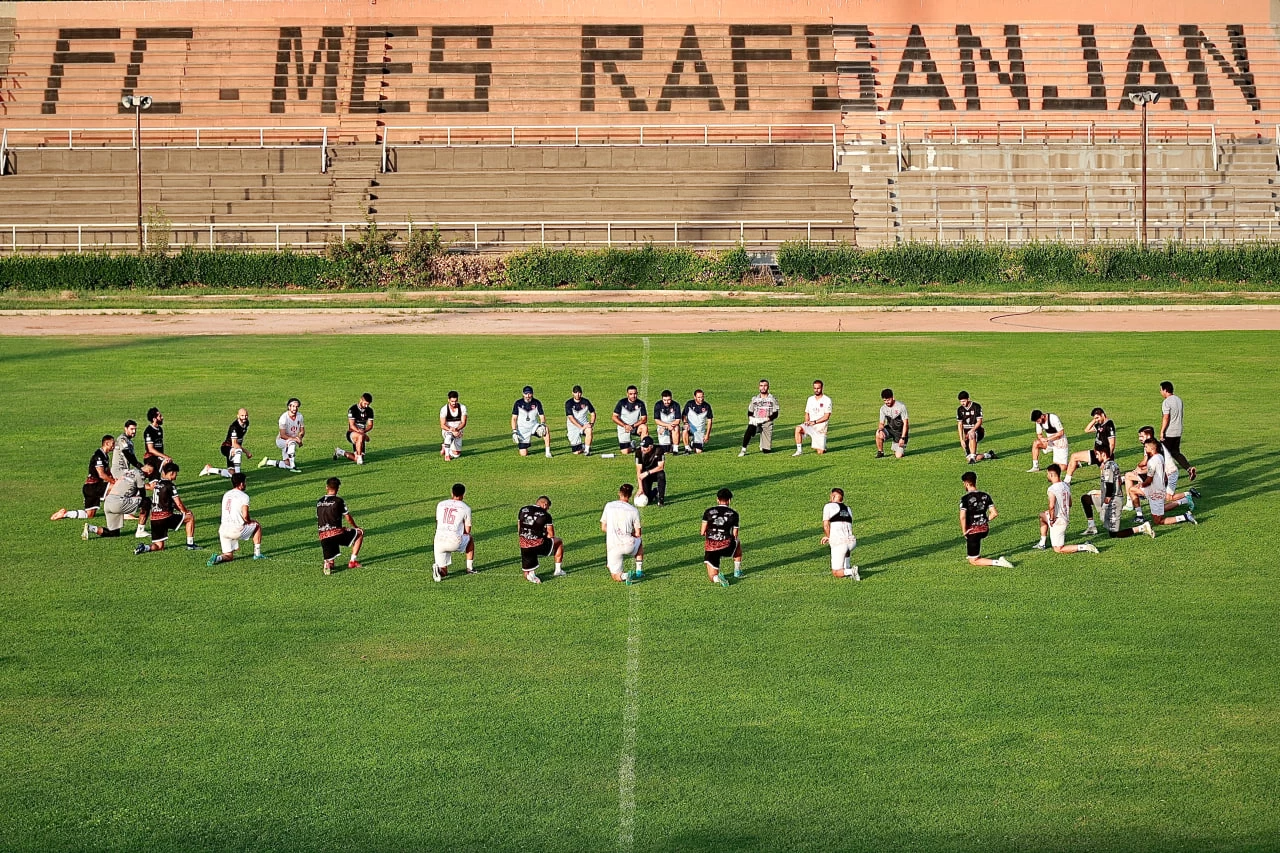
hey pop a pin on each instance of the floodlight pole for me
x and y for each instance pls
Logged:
(1143, 99)
(138, 104)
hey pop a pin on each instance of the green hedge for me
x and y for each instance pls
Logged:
(151, 271)
(922, 264)
(650, 266)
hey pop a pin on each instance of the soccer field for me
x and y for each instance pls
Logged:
(1121, 701)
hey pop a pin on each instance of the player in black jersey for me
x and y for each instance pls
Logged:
(168, 513)
(667, 420)
(153, 440)
(95, 482)
(233, 449)
(969, 427)
(1104, 438)
(651, 471)
(720, 532)
(538, 538)
(331, 510)
(359, 425)
(977, 511)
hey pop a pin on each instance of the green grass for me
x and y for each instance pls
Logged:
(1125, 701)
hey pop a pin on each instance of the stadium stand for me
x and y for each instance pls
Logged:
(937, 123)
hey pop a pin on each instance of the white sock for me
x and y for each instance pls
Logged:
(141, 526)
(737, 565)
(257, 549)
(559, 567)
(223, 472)
(191, 540)
(715, 578)
(471, 564)
(639, 566)
(78, 513)
(1066, 479)
(1042, 541)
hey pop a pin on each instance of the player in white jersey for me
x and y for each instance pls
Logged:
(837, 531)
(236, 526)
(453, 534)
(453, 420)
(817, 412)
(1172, 496)
(1154, 487)
(697, 416)
(1054, 521)
(580, 422)
(292, 430)
(1050, 435)
(620, 523)
(894, 425)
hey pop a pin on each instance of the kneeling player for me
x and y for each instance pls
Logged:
(1104, 438)
(1154, 486)
(95, 483)
(837, 530)
(1054, 521)
(620, 523)
(580, 422)
(232, 448)
(537, 535)
(453, 534)
(330, 512)
(894, 425)
(293, 429)
(1108, 498)
(970, 429)
(720, 530)
(529, 420)
(359, 425)
(977, 511)
(453, 420)
(126, 496)
(168, 513)
(236, 526)
(697, 417)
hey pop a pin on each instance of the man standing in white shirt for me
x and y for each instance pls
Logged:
(289, 438)
(236, 525)
(620, 523)
(1050, 435)
(817, 412)
(1054, 521)
(837, 531)
(453, 534)
(895, 424)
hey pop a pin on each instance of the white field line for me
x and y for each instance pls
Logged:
(631, 698)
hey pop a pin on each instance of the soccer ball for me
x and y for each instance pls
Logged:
(540, 430)
(642, 499)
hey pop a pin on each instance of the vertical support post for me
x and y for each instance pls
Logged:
(475, 235)
(1144, 174)
(277, 236)
(137, 147)
(79, 239)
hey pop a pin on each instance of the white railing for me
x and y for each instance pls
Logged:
(473, 236)
(1044, 132)
(617, 135)
(125, 137)
(1016, 230)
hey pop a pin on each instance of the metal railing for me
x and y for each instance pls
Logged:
(125, 137)
(476, 236)
(1045, 132)
(616, 135)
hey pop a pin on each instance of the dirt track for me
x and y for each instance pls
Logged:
(551, 321)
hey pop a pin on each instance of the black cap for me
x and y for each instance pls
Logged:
(647, 442)
(528, 389)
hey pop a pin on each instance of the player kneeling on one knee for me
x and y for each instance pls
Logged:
(538, 538)
(331, 510)
(620, 523)
(236, 526)
(453, 534)
(1054, 521)
(1107, 499)
(168, 513)
(837, 529)
(977, 511)
(720, 532)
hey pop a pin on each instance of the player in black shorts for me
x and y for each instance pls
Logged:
(720, 532)
(331, 510)
(232, 447)
(168, 513)
(1104, 438)
(359, 425)
(651, 471)
(538, 539)
(153, 440)
(977, 510)
(969, 427)
(95, 482)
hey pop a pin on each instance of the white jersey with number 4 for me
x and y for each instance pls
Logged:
(233, 504)
(453, 517)
(620, 520)
(291, 426)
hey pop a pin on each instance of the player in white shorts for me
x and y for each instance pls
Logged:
(453, 534)
(1050, 435)
(631, 416)
(453, 420)
(1154, 487)
(697, 416)
(580, 422)
(1172, 496)
(837, 531)
(529, 420)
(620, 523)
(236, 525)
(1054, 521)
(817, 412)
(289, 438)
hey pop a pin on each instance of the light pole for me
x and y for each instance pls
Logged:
(138, 104)
(1142, 99)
